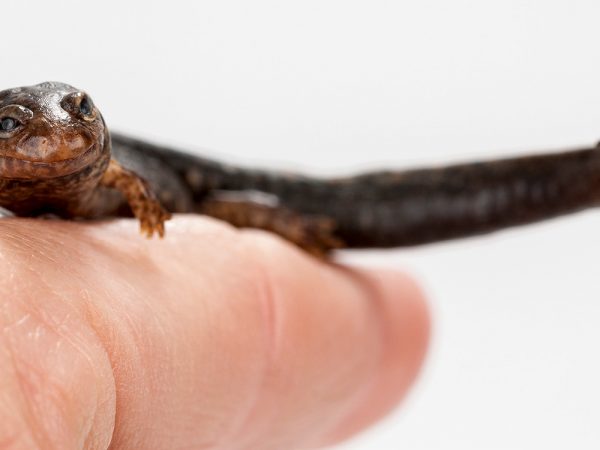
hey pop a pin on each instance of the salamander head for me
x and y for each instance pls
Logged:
(49, 130)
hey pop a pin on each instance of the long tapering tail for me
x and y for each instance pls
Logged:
(390, 209)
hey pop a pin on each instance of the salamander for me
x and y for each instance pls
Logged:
(57, 157)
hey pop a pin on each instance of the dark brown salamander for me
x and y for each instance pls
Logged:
(55, 158)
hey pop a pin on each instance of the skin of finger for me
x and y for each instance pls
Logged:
(406, 326)
(57, 387)
(266, 348)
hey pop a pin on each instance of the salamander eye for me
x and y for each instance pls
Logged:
(12, 119)
(8, 124)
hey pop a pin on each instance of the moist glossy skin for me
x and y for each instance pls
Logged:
(55, 157)
(50, 134)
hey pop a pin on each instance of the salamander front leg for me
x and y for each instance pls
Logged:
(312, 233)
(142, 201)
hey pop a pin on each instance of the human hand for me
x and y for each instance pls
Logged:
(209, 338)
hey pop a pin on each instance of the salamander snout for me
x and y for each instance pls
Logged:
(48, 130)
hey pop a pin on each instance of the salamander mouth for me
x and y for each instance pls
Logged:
(21, 169)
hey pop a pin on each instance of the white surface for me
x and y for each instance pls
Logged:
(334, 86)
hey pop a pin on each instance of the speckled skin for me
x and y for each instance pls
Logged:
(59, 161)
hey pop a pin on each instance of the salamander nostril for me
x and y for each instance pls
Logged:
(85, 107)
(79, 105)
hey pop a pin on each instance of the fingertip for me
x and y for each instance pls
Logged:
(399, 331)
(405, 325)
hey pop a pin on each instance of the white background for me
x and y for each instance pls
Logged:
(337, 86)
